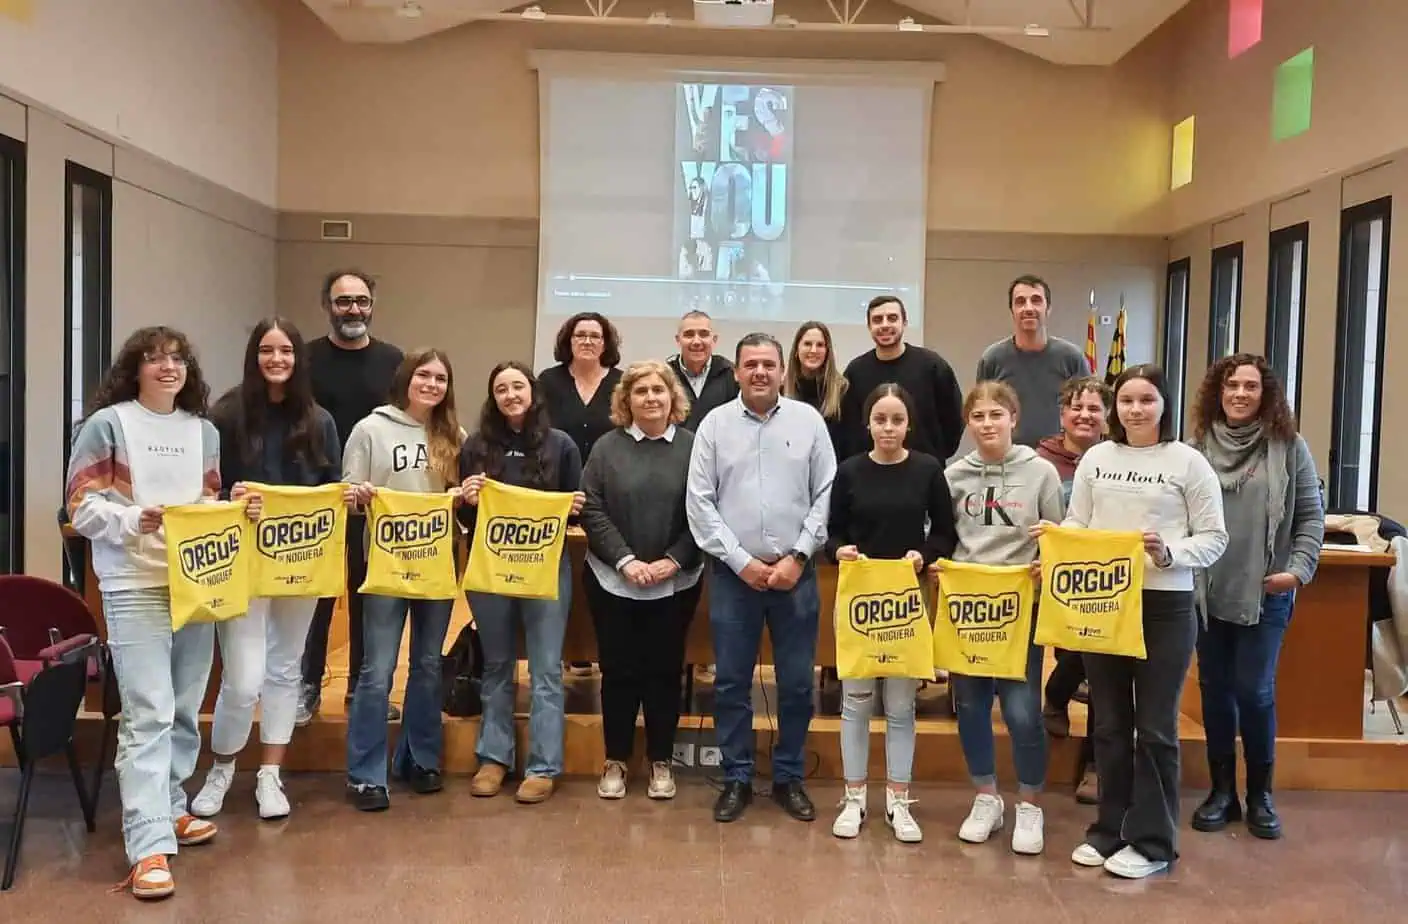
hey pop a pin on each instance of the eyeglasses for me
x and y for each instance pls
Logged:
(154, 358)
(350, 301)
(587, 338)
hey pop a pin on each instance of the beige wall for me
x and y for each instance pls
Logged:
(448, 125)
(185, 252)
(1245, 186)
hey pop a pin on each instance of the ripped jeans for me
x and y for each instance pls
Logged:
(857, 704)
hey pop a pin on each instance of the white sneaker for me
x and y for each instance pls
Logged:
(269, 793)
(1131, 864)
(852, 814)
(898, 817)
(613, 781)
(211, 798)
(983, 819)
(1028, 838)
(1086, 855)
(662, 781)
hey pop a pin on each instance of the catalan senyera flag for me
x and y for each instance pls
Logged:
(1114, 364)
(1090, 346)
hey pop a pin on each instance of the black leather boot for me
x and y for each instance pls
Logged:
(1262, 820)
(1221, 806)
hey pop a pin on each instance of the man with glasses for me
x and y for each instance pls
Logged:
(352, 374)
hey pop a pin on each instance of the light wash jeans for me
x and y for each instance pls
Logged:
(1021, 711)
(422, 739)
(261, 657)
(544, 626)
(161, 678)
(857, 703)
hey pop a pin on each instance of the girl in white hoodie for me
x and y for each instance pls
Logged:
(411, 444)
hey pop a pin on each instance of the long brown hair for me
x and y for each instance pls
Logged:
(1277, 421)
(832, 385)
(442, 430)
(121, 380)
(245, 408)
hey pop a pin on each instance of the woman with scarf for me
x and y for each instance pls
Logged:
(1275, 525)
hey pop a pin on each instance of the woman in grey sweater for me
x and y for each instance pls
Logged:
(1275, 525)
(643, 569)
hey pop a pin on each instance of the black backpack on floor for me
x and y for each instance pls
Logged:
(461, 673)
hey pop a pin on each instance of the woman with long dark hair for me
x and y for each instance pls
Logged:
(410, 444)
(811, 376)
(515, 445)
(145, 445)
(1142, 479)
(1275, 526)
(272, 432)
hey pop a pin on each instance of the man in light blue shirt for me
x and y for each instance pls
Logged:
(758, 498)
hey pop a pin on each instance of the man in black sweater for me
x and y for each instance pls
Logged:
(708, 377)
(927, 376)
(352, 375)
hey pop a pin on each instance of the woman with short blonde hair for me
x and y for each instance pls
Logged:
(643, 568)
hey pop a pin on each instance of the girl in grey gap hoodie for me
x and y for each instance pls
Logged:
(1000, 491)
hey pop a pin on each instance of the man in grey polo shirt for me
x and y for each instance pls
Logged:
(1034, 363)
(758, 497)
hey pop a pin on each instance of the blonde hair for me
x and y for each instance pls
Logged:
(443, 435)
(621, 394)
(999, 393)
(833, 383)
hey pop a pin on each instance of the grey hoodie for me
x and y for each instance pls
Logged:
(387, 448)
(994, 504)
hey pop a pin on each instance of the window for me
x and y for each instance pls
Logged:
(1291, 96)
(12, 214)
(1243, 25)
(1359, 353)
(1285, 307)
(1175, 357)
(1181, 157)
(87, 290)
(1226, 299)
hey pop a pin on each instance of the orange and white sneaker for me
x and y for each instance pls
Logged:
(149, 880)
(191, 830)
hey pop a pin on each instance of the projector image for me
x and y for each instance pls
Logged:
(735, 14)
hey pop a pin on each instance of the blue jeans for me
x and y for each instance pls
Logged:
(1237, 677)
(544, 627)
(857, 705)
(161, 680)
(1021, 711)
(383, 623)
(737, 614)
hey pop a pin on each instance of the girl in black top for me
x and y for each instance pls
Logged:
(271, 431)
(887, 503)
(516, 446)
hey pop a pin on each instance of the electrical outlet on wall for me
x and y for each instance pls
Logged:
(709, 757)
(684, 754)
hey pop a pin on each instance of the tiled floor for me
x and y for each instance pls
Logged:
(453, 858)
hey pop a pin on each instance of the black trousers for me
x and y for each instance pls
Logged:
(1136, 731)
(315, 648)
(640, 647)
(1061, 685)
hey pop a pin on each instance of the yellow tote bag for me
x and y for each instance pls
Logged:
(301, 541)
(518, 540)
(882, 624)
(208, 561)
(411, 546)
(1092, 583)
(983, 626)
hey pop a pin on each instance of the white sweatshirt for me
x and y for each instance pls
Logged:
(1169, 488)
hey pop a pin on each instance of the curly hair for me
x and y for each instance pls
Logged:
(1073, 388)
(621, 394)
(1277, 420)
(442, 430)
(121, 381)
(610, 337)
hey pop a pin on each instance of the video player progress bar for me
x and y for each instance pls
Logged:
(860, 287)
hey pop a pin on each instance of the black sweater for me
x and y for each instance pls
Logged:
(809, 391)
(350, 384)
(584, 423)
(881, 509)
(635, 499)
(720, 387)
(273, 464)
(929, 379)
(563, 471)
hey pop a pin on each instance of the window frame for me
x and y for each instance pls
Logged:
(14, 174)
(1176, 377)
(1220, 255)
(1278, 239)
(1381, 208)
(97, 295)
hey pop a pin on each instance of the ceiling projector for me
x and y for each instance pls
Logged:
(736, 14)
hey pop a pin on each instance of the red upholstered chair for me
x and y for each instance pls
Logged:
(43, 621)
(40, 713)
